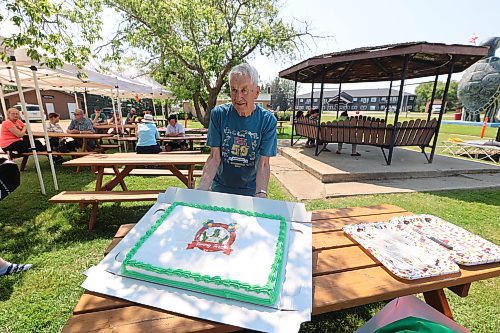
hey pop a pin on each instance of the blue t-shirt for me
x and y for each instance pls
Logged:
(147, 134)
(242, 140)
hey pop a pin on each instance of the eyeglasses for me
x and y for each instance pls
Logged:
(243, 91)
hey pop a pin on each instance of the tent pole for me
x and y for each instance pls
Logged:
(76, 98)
(154, 107)
(44, 126)
(116, 119)
(85, 102)
(119, 118)
(28, 126)
(2, 100)
(443, 106)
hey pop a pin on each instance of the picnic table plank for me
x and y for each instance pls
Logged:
(341, 259)
(374, 284)
(330, 239)
(130, 319)
(326, 214)
(138, 159)
(91, 302)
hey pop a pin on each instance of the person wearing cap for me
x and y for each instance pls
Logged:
(81, 125)
(147, 134)
(175, 129)
(242, 137)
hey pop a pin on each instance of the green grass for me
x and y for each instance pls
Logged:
(55, 238)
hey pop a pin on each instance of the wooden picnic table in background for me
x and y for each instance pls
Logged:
(344, 276)
(85, 137)
(200, 131)
(280, 126)
(189, 138)
(132, 128)
(131, 161)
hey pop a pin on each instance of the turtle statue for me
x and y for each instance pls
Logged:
(479, 88)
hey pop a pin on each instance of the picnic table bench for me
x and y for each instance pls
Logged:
(344, 276)
(121, 165)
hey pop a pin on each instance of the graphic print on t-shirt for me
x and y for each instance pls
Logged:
(238, 147)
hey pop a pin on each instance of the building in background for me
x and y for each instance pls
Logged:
(357, 100)
(52, 100)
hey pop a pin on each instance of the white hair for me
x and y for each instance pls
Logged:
(245, 70)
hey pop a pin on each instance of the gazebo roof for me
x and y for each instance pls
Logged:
(385, 62)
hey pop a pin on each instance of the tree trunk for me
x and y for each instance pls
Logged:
(199, 103)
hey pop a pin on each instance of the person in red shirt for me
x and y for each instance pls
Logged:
(13, 137)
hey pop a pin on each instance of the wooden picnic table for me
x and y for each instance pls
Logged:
(280, 126)
(344, 276)
(131, 161)
(106, 127)
(199, 131)
(85, 137)
(189, 138)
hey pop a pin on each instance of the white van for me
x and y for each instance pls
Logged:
(33, 112)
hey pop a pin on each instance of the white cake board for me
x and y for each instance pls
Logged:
(295, 304)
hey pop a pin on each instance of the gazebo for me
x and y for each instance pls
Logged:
(385, 63)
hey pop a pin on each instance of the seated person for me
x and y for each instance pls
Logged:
(147, 133)
(98, 117)
(13, 138)
(344, 116)
(131, 116)
(175, 129)
(116, 119)
(81, 125)
(62, 145)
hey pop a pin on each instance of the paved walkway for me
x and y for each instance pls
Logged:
(330, 175)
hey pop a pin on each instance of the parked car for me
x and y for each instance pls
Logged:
(33, 112)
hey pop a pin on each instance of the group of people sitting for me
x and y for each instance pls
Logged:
(14, 141)
(313, 114)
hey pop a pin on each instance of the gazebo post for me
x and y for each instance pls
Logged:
(338, 98)
(388, 101)
(312, 94)
(429, 112)
(400, 101)
(294, 106)
(443, 104)
(316, 153)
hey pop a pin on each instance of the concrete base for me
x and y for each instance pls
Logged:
(328, 175)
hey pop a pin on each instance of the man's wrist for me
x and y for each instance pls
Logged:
(261, 192)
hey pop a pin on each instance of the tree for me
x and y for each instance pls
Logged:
(193, 44)
(281, 92)
(424, 94)
(53, 32)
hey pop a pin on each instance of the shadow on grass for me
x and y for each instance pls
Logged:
(482, 196)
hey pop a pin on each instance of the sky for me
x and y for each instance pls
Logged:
(361, 23)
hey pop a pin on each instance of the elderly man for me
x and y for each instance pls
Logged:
(80, 125)
(242, 137)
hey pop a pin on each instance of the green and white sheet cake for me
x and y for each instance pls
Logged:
(214, 250)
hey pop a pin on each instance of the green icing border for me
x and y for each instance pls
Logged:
(271, 288)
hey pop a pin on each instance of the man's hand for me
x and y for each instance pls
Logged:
(210, 169)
